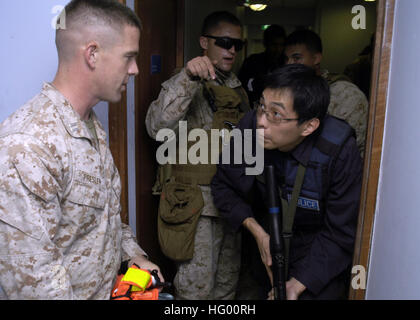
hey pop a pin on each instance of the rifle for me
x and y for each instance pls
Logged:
(277, 246)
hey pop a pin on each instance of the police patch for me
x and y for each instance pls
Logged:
(306, 203)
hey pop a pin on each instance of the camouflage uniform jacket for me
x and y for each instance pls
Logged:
(61, 235)
(348, 102)
(182, 99)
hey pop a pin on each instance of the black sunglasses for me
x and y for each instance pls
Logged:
(227, 43)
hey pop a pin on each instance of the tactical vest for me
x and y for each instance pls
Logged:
(304, 211)
(229, 106)
(181, 199)
(313, 195)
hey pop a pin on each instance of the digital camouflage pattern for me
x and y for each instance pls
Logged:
(183, 100)
(207, 278)
(215, 252)
(349, 103)
(61, 233)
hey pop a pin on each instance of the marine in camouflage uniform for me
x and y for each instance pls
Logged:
(190, 95)
(348, 102)
(214, 269)
(61, 233)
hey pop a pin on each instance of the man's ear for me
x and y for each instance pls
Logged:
(91, 54)
(310, 127)
(318, 58)
(204, 43)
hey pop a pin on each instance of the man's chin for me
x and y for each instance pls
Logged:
(226, 67)
(269, 146)
(115, 99)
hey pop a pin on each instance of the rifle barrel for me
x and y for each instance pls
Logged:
(276, 239)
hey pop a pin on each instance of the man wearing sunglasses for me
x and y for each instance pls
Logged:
(318, 170)
(207, 95)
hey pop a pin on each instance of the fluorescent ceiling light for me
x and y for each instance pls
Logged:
(258, 7)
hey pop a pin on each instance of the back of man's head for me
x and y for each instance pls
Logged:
(87, 20)
(311, 92)
(306, 37)
(212, 21)
(273, 33)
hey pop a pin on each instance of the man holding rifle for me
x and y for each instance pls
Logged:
(318, 171)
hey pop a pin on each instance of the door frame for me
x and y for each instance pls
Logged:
(117, 115)
(117, 122)
(375, 133)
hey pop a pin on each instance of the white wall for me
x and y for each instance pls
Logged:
(28, 55)
(395, 253)
(131, 147)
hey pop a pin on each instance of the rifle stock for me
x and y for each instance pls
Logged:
(276, 240)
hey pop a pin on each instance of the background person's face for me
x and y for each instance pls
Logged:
(225, 57)
(276, 47)
(299, 54)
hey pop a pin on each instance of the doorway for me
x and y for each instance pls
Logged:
(169, 37)
(161, 52)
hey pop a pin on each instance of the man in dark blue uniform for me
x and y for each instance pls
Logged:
(298, 134)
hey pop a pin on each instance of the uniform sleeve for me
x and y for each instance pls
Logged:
(229, 196)
(172, 104)
(130, 247)
(348, 102)
(331, 251)
(31, 266)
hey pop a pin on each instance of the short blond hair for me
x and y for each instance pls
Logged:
(110, 12)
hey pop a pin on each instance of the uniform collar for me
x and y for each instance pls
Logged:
(302, 152)
(325, 74)
(70, 118)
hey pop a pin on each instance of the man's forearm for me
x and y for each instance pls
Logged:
(254, 227)
(172, 104)
(262, 238)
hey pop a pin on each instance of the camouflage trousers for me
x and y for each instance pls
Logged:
(213, 272)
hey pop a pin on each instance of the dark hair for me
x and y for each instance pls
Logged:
(311, 92)
(307, 37)
(212, 21)
(272, 33)
(110, 12)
